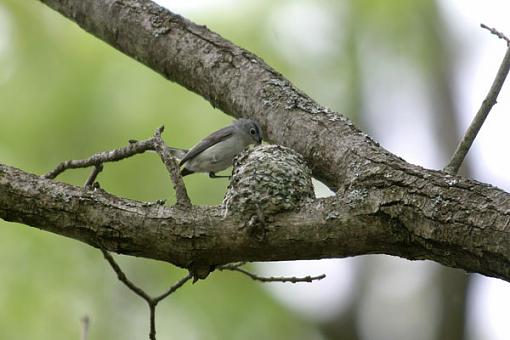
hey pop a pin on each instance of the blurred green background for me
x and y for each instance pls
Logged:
(66, 95)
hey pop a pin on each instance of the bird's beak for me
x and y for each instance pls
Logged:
(259, 141)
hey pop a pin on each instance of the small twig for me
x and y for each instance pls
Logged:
(168, 156)
(92, 178)
(172, 166)
(236, 267)
(123, 278)
(85, 324)
(173, 288)
(103, 157)
(496, 33)
(154, 302)
(151, 301)
(487, 104)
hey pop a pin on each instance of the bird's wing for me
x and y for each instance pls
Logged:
(207, 142)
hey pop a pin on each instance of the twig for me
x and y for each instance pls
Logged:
(487, 104)
(496, 33)
(85, 324)
(103, 157)
(236, 267)
(92, 178)
(155, 143)
(172, 166)
(151, 301)
(173, 288)
(123, 278)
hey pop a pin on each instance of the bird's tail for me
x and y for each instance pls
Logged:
(185, 172)
(178, 153)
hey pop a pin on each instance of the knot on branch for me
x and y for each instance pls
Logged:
(268, 179)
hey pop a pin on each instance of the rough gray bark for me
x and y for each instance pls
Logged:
(441, 221)
(383, 204)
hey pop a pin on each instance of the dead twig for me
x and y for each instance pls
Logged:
(151, 301)
(236, 267)
(103, 157)
(173, 169)
(92, 178)
(487, 104)
(168, 156)
(497, 33)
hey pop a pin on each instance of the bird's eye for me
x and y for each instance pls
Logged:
(253, 132)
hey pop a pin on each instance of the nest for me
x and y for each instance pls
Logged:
(268, 179)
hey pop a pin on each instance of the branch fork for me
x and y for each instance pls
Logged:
(152, 302)
(156, 143)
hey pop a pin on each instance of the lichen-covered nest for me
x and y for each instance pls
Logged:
(268, 179)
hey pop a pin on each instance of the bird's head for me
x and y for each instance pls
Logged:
(250, 128)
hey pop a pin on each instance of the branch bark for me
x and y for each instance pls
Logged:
(383, 204)
(458, 223)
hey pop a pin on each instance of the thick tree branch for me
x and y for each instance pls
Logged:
(424, 215)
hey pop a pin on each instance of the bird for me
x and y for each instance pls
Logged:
(216, 152)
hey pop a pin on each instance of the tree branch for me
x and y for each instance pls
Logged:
(236, 267)
(155, 143)
(487, 104)
(497, 33)
(93, 176)
(172, 166)
(152, 302)
(123, 278)
(421, 214)
(99, 158)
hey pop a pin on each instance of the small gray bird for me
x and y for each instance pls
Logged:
(217, 151)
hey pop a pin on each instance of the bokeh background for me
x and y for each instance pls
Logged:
(410, 73)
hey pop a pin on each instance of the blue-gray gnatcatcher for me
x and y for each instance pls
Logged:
(217, 151)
